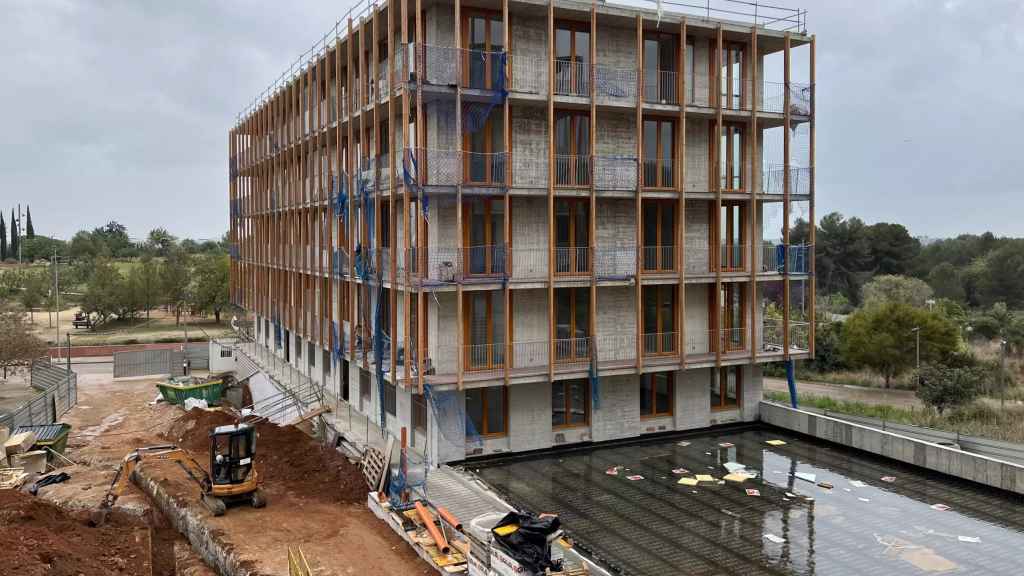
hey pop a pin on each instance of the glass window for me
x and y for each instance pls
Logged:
(390, 400)
(572, 323)
(659, 153)
(726, 387)
(485, 411)
(656, 390)
(419, 413)
(570, 403)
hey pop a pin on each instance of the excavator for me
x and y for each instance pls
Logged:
(232, 478)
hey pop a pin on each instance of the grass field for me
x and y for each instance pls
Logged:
(983, 418)
(160, 327)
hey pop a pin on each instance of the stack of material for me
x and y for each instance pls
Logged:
(17, 444)
(443, 543)
(12, 478)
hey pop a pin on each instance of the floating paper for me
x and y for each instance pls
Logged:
(613, 471)
(940, 507)
(857, 484)
(775, 443)
(737, 477)
(733, 466)
(726, 444)
(971, 539)
(684, 443)
(634, 477)
(705, 478)
(889, 479)
(687, 481)
(753, 492)
(806, 476)
(680, 471)
(774, 539)
(863, 499)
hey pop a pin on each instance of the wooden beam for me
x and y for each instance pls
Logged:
(551, 190)
(681, 186)
(459, 307)
(754, 233)
(592, 312)
(785, 198)
(812, 224)
(716, 175)
(638, 233)
(506, 25)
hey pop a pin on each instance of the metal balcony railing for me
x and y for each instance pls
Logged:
(438, 167)
(482, 70)
(485, 169)
(799, 336)
(484, 358)
(573, 353)
(773, 98)
(487, 260)
(572, 170)
(773, 258)
(448, 66)
(617, 85)
(661, 344)
(734, 341)
(659, 259)
(615, 172)
(572, 260)
(617, 262)
(615, 349)
(529, 263)
(659, 173)
(572, 78)
(773, 179)
(733, 257)
(661, 86)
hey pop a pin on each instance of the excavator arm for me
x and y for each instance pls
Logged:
(124, 472)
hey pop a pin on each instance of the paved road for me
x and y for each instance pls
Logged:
(877, 396)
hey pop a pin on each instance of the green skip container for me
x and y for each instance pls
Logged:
(177, 390)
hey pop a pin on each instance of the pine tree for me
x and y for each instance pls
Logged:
(3, 239)
(14, 236)
(29, 232)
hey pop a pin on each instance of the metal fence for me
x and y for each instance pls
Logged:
(58, 393)
(157, 362)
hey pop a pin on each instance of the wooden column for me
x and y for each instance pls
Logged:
(785, 198)
(812, 224)
(410, 150)
(755, 185)
(460, 311)
(392, 194)
(506, 26)
(639, 238)
(420, 227)
(351, 106)
(681, 186)
(716, 175)
(592, 312)
(551, 190)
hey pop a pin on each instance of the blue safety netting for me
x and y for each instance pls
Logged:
(448, 408)
(410, 170)
(475, 113)
(336, 349)
(595, 380)
(339, 188)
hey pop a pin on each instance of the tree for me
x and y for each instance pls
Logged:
(34, 291)
(893, 250)
(902, 289)
(3, 239)
(102, 292)
(29, 231)
(18, 345)
(943, 387)
(211, 292)
(828, 338)
(14, 236)
(842, 255)
(882, 338)
(148, 272)
(115, 236)
(946, 283)
(41, 248)
(174, 281)
(1001, 279)
(160, 242)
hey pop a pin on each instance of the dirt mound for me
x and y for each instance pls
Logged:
(38, 539)
(286, 458)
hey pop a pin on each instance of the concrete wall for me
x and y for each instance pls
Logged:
(981, 469)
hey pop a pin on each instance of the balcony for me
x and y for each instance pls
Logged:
(572, 171)
(449, 66)
(733, 257)
(485, 169)
(528, 75)
(661, 345)
(703, 345)
(773, 98)
(572, 78)
(615, 172)
(773, 179)
(773, 258)
(615, 85)
(659, 259)
(772, 342)
(659, 173)
(661, 87)
(572, 261)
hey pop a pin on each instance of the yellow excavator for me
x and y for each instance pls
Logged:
(233, 477)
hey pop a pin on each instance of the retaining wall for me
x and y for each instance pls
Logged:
(975, 467)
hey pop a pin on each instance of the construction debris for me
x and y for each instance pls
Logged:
(20, 442)
(774, 539)
(12, 478)
(33, 462)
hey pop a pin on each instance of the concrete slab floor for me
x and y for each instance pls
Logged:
(862, 525)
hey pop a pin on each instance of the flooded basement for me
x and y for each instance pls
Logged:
(799, 507)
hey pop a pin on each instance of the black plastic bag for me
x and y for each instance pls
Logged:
(529, 544)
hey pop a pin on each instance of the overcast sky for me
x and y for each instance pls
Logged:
(120, 110)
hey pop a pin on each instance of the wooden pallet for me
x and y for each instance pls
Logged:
(12, 478)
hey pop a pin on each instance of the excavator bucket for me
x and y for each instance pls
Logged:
(98, 517)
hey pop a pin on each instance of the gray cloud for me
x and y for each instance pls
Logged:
(120, 110)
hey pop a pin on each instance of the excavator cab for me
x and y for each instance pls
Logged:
(232, 474)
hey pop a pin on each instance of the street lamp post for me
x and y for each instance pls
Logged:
(1002, 373)
(917, 347)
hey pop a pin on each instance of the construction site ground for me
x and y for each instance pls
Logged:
(316, 498)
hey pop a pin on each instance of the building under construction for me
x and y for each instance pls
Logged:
(506, 225)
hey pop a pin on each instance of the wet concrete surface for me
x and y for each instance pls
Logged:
(862, 525)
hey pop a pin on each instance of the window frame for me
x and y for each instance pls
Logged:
(653, 292)
(490, 152)
(494, 361)
(659, 38)
(578, 173)
(390, 399)
(732, 97)
(579, 83)
(572, 356)
(649, 376)
(727, 158)
(567, 399)
(723, 236)
(575, 206)
(721, 377)
(486, 433)
(659, 156)
(467, 217)
(726, 313)
(662, 205)
(490, 17)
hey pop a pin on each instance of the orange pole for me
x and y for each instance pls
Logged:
(449, 518)
(428, 520)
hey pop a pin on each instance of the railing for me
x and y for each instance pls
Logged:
(615, 349)
(661, 344)
(615, 262)
(800, 258)
(615, 172)
(735, 341)
(572, 78)
(661, 87)
(437, 65)
(659, 258)
(484, 358)
(485, 260)
(771, 340)
(485, 168)
(383, 82)
(659, 173)
(529, 263)
(572, 170)
(773, 98)
(773, 179)
(614, 84)
(447, 66)
(438, 167)
(773, 258)
(733, 257)
(799, 336)
(572, 260)
(572, 353)
(482, 70)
